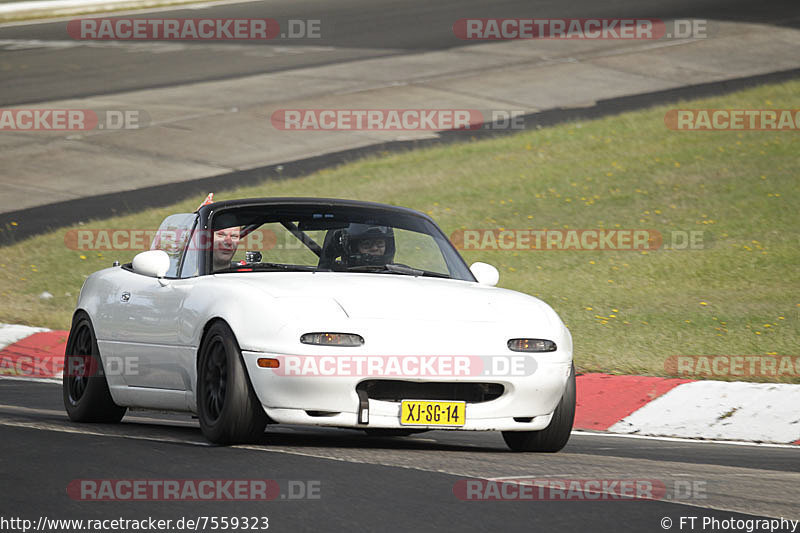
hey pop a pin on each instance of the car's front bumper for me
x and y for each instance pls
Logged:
(526, 404)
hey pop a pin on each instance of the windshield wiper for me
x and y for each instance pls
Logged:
(268, 267)
(394, 268)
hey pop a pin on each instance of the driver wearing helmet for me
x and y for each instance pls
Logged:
(366, 244)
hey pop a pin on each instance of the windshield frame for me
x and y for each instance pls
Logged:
(450, 255)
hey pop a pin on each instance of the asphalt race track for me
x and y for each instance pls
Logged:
(41, 62)
(374, 483)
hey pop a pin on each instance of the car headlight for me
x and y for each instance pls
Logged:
(531, 345)
(332, 339)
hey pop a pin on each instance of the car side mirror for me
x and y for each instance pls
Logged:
(485, 273)
(153, 263)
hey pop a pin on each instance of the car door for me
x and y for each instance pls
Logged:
(149, 311)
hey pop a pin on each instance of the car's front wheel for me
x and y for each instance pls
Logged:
(555, 436)
(228, 409)
(84, 386)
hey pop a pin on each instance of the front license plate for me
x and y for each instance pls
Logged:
(424, 413)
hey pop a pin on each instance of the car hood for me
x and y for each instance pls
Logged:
(399, 297)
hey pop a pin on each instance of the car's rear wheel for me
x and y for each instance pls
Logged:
(84, 386)
(228, 409)
(555, 436)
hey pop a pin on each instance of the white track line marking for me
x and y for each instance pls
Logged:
(130, 11)
(44, 426)
(617, 497)
(34, 380)
(158, 47)
(128, 417)
(685, 440)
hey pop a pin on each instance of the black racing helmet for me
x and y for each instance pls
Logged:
(355, 234)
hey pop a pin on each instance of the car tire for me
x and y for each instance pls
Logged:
(84, 386)
(555, 436)
(227, 408)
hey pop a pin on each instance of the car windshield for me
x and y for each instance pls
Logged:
(331, 238)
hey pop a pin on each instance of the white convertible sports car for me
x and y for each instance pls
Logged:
(318, 312)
